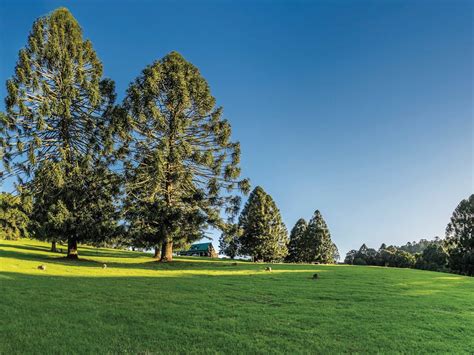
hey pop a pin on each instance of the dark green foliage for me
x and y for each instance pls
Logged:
(434, 257)
(402, 259)
(460, 238)
(264, 235)
(14, 216)
(359, 261)
(229, 242)
(182, 164)
(92, 218)
(385, 256)
(418, 247)
(350, 257)
(316, 245)
(57, 105)
(60, 118)
(369, 255)
(295, 246)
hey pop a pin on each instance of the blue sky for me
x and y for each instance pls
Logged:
(361, 109)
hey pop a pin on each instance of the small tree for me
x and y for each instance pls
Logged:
(350, 256)
(335, 253)
(403, 259)
(264, 235)
(460, 238)
(317, 243)
(386, 256)
(434, 257)
(94, 216)
(14, 216)
(296, 242)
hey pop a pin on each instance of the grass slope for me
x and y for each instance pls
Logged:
(202, 306)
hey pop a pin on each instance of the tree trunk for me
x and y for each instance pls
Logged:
(72, 249)
(167, 251)
(53, 247)
(157, 254)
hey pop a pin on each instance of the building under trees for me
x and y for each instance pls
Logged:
(200, 249)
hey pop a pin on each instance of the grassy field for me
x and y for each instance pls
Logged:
(212, 306)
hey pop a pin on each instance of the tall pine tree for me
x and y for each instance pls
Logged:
(460, 237)
(317, 243)
(296, 242)
(182, 167)
(59, 113)
(264, 236)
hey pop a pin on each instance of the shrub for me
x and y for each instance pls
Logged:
(359, 261)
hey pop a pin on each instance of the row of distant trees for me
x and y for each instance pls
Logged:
(455, 253)
(156, 170)
(261, 233)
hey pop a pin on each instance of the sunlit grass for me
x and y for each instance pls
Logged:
(204, 305)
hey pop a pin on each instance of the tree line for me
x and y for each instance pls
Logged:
(261, 233)
(155, 171)
(455, 253)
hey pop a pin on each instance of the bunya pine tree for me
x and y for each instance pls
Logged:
(60, 115)
(264, 235)
(296, 242)
(460, 238)
(182, 170)
(318, 246)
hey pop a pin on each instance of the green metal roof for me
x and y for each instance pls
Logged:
(200, 247)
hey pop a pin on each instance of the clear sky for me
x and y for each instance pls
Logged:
(361, 109)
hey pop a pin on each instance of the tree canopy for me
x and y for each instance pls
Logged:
(317, 245)
(460, 237)
(295, 246)
(264, 235)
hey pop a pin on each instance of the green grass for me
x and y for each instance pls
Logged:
(211, 306)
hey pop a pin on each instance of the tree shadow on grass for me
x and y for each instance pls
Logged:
(83, 251)
(26, 247)
(23, 252)
(152, 264)
(117, 253)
